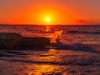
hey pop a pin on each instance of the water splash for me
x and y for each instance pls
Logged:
(56, 43)
(56, 36)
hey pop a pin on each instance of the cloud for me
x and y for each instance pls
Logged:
(81, 21)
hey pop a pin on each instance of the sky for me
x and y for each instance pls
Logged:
(51, 12)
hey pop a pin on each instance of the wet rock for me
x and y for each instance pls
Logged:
(16, 41)
(34, 42)
(9, 40)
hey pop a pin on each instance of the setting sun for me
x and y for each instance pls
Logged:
(47, 19)
(49, 37)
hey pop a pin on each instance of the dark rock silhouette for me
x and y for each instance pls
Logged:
(9, 40)
(34, 42)
(15, 40)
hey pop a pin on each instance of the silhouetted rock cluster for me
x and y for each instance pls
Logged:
(15, 40)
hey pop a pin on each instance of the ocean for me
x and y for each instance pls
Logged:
(74, 50)
(70, 35)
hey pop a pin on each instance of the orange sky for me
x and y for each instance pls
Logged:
(59, 11)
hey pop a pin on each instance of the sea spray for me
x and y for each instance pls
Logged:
(56, 43)
(55, 39)
(56, 36)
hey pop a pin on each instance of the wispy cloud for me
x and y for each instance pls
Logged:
(81, 21)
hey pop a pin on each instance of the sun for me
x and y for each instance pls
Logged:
(47, 19)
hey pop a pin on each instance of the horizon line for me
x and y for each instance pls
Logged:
(50, 24)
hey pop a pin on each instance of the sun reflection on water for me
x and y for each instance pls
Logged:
(47, 28)
(43, 70)
(48, 63)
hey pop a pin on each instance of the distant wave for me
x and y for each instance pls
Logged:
(82, 32)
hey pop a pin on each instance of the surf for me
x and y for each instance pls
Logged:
(56, 43)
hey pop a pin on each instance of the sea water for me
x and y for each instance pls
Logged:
(74, 50)
(68, 35)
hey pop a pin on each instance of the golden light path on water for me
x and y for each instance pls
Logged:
(46, 69)
(49, 62)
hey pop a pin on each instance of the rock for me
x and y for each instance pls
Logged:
(16, 41)
(9, 40)
(35, 42)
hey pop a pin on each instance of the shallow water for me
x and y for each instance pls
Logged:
(49, 62)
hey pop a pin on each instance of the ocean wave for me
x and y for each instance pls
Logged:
(89, 62)
(74, 59)
(82, 32)
(74, 47)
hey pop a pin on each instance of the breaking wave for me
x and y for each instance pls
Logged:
(75, 47)
(56, 43)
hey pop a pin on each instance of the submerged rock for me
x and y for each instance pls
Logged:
(15, 40)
